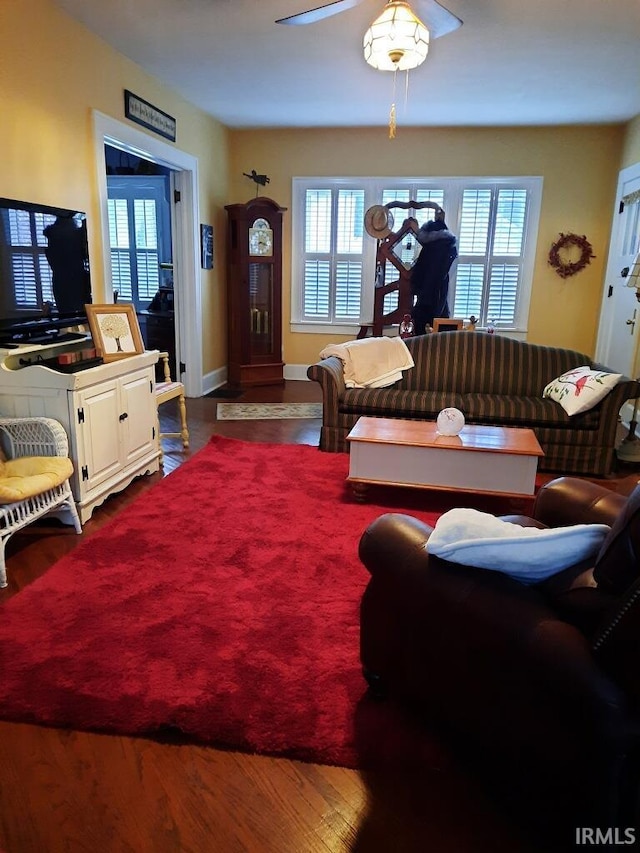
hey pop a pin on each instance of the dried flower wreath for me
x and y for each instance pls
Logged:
(566, 268)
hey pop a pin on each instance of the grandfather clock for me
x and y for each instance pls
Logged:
(254, 292)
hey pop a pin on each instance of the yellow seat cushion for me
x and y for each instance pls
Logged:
(31, 475)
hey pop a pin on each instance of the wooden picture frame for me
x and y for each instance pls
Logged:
(115, 330)
(447, 324)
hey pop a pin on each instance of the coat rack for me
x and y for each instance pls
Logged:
(389, 260)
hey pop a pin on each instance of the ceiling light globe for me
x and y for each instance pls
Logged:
(397, 40)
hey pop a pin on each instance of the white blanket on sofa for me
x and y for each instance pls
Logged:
(529, 554)
(371, 362)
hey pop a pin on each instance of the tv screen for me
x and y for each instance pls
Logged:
(45, 279)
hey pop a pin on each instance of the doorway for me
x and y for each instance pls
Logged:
(141, 248)
(182, 170)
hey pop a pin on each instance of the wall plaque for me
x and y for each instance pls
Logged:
(144, 113)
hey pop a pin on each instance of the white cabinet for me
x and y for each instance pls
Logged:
(108, 412)
(116, 425)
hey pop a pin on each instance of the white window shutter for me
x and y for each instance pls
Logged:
(494, 219)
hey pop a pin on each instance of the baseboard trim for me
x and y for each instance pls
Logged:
(217, 378)
(213, 380)
(296, 371)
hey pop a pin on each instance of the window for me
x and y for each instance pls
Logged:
(333, 254)
(488, 272)
(494, 219)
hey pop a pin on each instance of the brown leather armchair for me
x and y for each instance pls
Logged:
(536, 686)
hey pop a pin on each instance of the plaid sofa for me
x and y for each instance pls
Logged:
(493, 380)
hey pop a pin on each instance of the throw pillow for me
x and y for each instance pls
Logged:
(529, 554)
(580, 389)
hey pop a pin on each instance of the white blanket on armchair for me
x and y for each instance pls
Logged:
(529, 554)
(371, 362)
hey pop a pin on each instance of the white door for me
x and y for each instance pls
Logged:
(619, 330)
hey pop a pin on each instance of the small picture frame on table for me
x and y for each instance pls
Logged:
(206, 246)
(447, 324)
(115, 331)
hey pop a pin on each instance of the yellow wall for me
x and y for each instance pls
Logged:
(579, 165)
(54, 72)
(631, 152)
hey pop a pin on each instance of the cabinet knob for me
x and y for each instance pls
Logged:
(123, 416)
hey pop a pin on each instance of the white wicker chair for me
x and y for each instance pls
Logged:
(34, 436)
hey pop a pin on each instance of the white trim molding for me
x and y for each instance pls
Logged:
(186, 233)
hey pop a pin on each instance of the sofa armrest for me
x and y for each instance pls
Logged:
(329, 372)
(395, 544)
(609, 407)
(626, 389)
(568, 500)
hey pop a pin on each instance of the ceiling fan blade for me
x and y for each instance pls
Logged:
(321, 12)
(437, 19)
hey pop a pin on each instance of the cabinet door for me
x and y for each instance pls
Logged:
(100, 434)
(138, 415)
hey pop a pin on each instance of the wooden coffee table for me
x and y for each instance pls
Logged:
(482, 459)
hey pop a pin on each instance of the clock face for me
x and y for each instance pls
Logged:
(260, 238)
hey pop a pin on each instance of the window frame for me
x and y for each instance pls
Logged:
(373, 189)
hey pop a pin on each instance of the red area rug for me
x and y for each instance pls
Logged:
(223, 606)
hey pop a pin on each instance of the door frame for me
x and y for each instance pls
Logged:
(185, 233)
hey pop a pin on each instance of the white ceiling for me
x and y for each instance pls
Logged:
(513, 62)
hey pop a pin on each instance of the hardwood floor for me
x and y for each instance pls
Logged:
(76, 791)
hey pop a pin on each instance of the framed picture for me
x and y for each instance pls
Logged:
(206, 246)
(115, 330)
(447, 324)
(144, 113)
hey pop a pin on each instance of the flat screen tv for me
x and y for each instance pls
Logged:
(45, 280)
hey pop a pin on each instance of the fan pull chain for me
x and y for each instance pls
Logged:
(392, 113)
(392, 122)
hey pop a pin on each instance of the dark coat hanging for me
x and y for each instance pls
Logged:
(430, 273)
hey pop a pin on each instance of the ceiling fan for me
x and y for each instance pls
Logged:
(436, 18)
